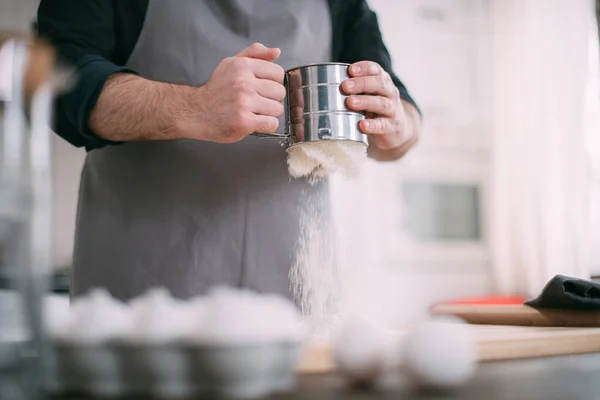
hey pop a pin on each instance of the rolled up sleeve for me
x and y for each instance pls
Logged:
(82, 32)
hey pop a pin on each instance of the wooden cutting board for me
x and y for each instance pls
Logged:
(494, 343)
(519, 315)
(497, 343)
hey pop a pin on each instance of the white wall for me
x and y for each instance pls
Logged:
(440, 50)
(68, 162)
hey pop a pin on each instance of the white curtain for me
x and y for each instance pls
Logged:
(541, 181)
(593, 96)
(593, 139)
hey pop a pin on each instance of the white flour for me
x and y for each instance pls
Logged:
(314, 274)
(315, 279)
(317, 160)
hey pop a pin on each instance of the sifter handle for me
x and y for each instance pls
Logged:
(287, 129)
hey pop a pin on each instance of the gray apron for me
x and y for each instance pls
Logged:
(186, 214)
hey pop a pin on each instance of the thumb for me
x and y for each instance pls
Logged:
(260, 51)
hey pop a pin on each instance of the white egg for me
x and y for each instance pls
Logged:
(57, 316)
(359, 352)
(440, 354)
(159, 318)
(288, 324)
(232, 317)
(98, 318)
(237, 316)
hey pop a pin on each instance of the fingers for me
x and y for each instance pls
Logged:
(266, 70)
(260, 51)
(365, 68)
(265, 124)
(376, 84)
(368, 77)
(271, 90)
(374, 104)
(259, 59)
(375, 126)
(267, 107)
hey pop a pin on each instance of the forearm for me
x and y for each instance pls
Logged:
(131, 108)
(414, 127)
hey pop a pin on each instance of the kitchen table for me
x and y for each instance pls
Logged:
(575, 377)
(552, 378)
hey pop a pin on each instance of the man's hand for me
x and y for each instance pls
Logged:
(391, 124)
(242, 97)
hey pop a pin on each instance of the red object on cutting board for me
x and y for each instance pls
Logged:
(487, 300)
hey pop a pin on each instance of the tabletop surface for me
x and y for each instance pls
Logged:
(553, 378)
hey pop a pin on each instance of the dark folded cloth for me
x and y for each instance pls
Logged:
(566, 293)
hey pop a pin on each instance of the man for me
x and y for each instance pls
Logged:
(174, 191)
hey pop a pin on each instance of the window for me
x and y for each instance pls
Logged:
(441, 211)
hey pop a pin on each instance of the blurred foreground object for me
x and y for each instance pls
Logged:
(440, 355)
(231, 343)
(598, 16)
(26, 95)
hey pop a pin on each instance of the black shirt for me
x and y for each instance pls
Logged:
(96, 37)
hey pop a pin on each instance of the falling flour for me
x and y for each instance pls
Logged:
(315, 275)
(318, 160)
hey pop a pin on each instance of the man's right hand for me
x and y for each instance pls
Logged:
(243, 96)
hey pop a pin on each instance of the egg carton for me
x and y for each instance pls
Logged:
(244, 371)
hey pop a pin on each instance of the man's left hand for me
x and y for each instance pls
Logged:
(391, 131)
